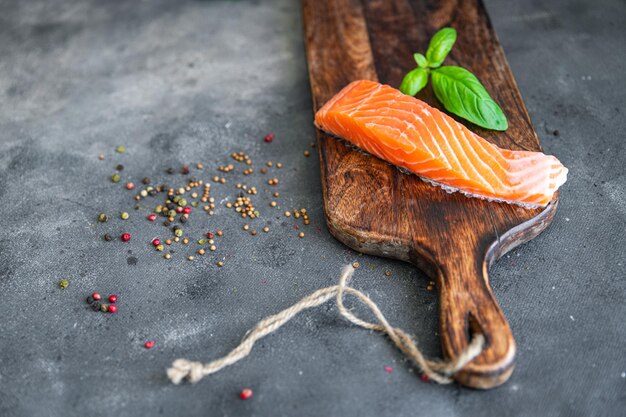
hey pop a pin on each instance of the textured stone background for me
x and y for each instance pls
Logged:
(189, 81)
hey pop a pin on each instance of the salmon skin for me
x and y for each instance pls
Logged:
(411, 134)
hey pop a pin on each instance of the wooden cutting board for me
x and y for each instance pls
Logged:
(373, 208)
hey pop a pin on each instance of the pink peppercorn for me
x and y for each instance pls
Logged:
(425, 378)
(179, 209)
(245, 394)
(269, 138)
(388, 369)
(149, 344)
(130, 185)
(152, 217)
(210, 235)
(112, 308)
(113, 298)
(96, 296)
(125, 237)
(187, 210)
(156, 242)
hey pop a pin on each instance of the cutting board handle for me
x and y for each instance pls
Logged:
(467, 307)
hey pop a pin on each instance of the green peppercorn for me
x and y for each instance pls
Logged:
(160, 248)
(120, 149)
(115, 178)
(194, 204)
(171, 213)
(176, 199)
(104, 307)
(158, 209)
(64, 283)
(182, 202)
(124, 215)
(102, 217)
(178, 232)
(201, 242)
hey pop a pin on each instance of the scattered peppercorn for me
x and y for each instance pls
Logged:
(64, 283)
(112, 308)
(301, 234)
(95, 306)
(307, 153)
(220, 264)
(120, 167)
(149, 344)
(96, 296)
(269, 137)
(113, 298)
(387, 273)
(108, 237)
(124, 215)
(125, 237)
(116, 178)
(245, 394)
(102, 217)
(104, 308)
(266, 229)
(130, 186)
(355, 265)
(120, 149)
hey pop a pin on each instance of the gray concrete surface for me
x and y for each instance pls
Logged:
(192, 81)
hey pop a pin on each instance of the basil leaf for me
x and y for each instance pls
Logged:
(414, 81)
(420, 59)
(440, 46)
(462, 94)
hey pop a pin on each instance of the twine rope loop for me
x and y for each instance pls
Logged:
(436, 370)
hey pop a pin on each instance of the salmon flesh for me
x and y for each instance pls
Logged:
(411, 134)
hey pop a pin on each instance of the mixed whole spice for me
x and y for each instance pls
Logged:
(173, 203)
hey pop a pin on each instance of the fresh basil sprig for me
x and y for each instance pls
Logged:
(459, 90)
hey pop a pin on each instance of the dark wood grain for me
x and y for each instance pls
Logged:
(374, 208)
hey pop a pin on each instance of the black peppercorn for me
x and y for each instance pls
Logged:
(108, 237)
(120, 167)
(170, 170)
(166, 223)
(183, 219)
(146, 180)
(95, 306)
(90, 299)
(185, 169)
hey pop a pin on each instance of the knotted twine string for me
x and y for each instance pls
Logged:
(436, 370)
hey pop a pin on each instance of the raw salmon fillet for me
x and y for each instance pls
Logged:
(411, 134)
